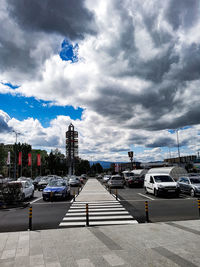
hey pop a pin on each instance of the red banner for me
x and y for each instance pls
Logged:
(29, 159)
(20, 158)
(38, 160)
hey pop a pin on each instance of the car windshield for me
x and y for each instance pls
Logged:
(57, 183)
(116, 178)
(163, 178)
(195, 180)
(73, 179)
(129, 174)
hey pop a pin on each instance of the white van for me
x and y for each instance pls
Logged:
(157, 184)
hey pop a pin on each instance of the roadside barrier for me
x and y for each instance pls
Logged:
(30, 218)
(147, 211)
(116, 193)
(87, 215)
(198, 201)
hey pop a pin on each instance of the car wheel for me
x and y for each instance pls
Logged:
(44, 198)
(145, 189)
(192, 193)
(32, 196)
(155, 192)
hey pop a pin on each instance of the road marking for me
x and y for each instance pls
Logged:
(96, 218)
(93, 207)
(96, 213)
(35, 200)
(110, 209)
(145, 196)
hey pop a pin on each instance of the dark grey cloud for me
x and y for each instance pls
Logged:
(65, 17)
(182, 13)
(31, 31)
(162, 142)
(4, 128)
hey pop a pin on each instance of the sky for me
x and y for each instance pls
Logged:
(125, 73)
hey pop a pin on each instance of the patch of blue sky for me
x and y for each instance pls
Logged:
(21, 108)
(69, 52)
(172, 131)
(12, 86)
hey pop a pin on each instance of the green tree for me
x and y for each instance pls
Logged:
(2, 158)
(82, 167)
(56, 162)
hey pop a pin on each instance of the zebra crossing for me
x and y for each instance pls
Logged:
(100, 213)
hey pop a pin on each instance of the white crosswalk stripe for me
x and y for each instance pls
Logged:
(100, 213)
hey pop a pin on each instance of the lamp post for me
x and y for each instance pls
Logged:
(178, 147)
(16, 133)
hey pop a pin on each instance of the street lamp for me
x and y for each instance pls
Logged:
(178, 146)
(16, 134)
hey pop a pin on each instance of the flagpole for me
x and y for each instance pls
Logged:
(21, 167)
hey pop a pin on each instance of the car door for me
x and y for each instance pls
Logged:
(181, 184)
(151, 184)
(187, 185)
(26, 189)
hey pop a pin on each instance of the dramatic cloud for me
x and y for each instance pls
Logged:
(4, 119)
(136, 68)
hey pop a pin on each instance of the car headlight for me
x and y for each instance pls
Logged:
(160, 186)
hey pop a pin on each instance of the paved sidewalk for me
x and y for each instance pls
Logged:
(94, 191)
(159, 244)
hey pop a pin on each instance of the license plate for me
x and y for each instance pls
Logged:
(173, 190)
(58, 194)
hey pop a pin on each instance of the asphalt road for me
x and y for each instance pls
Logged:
(48, 215)
(161, 209)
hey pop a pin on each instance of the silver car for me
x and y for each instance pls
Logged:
(116, 181)
(190, 185)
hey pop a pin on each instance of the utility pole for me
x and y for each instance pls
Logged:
(16, 134)
(178, 146)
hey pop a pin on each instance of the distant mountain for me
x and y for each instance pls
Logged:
(104, 164)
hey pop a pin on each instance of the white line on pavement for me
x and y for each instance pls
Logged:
(35, 200)
(110, 209)
(96, 213)
(145, 196)
(95, 218)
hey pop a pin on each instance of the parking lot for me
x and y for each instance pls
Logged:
(49, 214)
(161, 209)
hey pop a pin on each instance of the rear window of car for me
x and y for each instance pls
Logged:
(116, 178)
(195, 180)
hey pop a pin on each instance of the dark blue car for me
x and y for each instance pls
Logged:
(56, 189)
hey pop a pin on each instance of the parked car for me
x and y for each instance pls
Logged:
(157, 184)
(127, 174)
(56, 189)
(190, 185)
(116, 181)
(36, 181)
(106, 178)
(27, 189)
(84, 176)
(74, 181)
(43, 183)
(135, 181)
